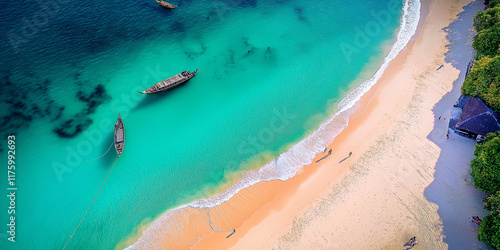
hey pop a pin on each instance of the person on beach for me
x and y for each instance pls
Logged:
(476, 220)
(414, 243)
(412, 239)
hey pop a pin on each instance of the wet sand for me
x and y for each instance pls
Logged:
(380, 196)
(389, 189)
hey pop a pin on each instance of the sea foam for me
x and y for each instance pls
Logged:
(301, 154)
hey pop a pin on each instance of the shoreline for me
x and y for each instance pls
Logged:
(275, 195)
(282, 223)
(346, 107)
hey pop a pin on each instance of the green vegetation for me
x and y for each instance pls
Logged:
(484, 78)
(493, 203)
(486, 173)
(485, 20)
(487, 41)
(494, 3)
(484, 81)
(489, 231)
(486, 166)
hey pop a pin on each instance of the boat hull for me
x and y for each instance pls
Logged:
(170, 83)
(166, 5)
(119, 136)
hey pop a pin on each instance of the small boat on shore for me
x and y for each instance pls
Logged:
(119, 136)
(166, 5)
(170, 83)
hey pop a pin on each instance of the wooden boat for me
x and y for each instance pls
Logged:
(166, 5)
(119, 136)
(170, 83)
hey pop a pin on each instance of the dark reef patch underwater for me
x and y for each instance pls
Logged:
(259, 63)
(23, 103)
(65, 32)
(74, 126)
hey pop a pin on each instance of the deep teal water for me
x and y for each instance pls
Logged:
(64, 87)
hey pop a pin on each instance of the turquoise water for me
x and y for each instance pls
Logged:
(272, 72)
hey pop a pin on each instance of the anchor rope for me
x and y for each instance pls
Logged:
(103, 154)
(95, 197)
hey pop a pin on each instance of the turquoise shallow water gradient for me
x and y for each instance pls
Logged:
(272, 71)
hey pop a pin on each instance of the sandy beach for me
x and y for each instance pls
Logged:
(393, 173)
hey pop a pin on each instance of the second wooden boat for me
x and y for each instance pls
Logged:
(119, 136)
(166, 5)
(170, 83)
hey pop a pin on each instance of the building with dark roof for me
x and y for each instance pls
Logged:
(477, 119)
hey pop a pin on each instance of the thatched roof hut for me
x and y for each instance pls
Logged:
(477, 119)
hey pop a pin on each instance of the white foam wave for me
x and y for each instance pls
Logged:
(301, 154)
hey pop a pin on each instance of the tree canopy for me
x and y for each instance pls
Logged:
(486, 19)
(494, 3)
(486, 166)
(484, 81)
(486, 173)
(487, 41)
(484, 78)
(489, 231)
